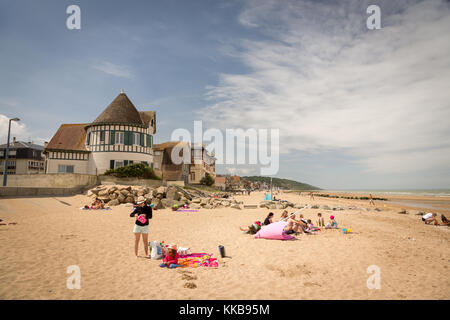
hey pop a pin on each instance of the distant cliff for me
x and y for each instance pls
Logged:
(282, 183)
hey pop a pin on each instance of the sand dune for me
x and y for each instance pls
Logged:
(52, 235)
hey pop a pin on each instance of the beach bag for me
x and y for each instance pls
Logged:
(156, 250)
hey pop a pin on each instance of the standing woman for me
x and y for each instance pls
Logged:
(142, 213)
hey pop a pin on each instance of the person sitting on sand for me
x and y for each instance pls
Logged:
(284, 215)
(170, 260)
(268, 219)
(320, 221)
(429, 218)
(98, 204)
(332, 224)
(293, 225)
(253, 228)
(310, 227)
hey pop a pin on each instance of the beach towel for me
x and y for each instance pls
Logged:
(274, 231)
(196, 260)
(268, 197)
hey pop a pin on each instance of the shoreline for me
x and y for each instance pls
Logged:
(436, 204)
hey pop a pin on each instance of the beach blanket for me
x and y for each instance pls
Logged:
(196, 260)
(107, 208)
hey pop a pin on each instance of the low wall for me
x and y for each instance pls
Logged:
(130, 181)
(52, 180)
(175, 183)
(38, 191)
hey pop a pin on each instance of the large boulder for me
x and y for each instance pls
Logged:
(121, 198)
(103, 193)
(125, 192)
(161, 190)
(236, 206)
(129, 199)
(114, 202)
(172, 193)
(194, 206)
(112, 189)
(113, 196)
(169, 202)
(157, 204)
(105, 199)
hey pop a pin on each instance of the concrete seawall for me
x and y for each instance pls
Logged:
(39, 191)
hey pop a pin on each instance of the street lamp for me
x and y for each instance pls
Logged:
(5, 172)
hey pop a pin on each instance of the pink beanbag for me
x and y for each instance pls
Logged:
(273, 231)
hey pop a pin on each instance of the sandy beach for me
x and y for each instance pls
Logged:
(52, 233)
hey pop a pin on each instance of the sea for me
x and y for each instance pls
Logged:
(436, 203)
(400, 192)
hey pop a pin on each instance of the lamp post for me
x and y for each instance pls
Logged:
(5, 172)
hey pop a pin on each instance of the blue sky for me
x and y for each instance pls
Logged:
(356, 108)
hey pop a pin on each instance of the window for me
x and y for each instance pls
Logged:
(88, 139)
(119, 164)
(102, 136)
(62, 168)
(137, 139)
(157, 165)
(2, 153)
(12, 152)
(119, 137)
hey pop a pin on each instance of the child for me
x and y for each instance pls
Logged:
(321, 221)
(332, 224)
(171, 258)
(310, 228)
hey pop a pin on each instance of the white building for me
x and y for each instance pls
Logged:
(119, 136)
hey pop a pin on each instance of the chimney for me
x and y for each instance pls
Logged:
(45, 144)
(14, 140)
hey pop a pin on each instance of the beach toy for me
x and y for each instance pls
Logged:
(349, 230)
(142, 219)
(344, 230)
(274, 231)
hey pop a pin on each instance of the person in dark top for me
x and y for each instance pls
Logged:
(142, 213)
(268, 219)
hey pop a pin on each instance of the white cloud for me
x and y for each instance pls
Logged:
(18, 129)
(329, 84)
(113, 69)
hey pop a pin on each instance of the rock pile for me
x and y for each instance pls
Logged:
(161, 197)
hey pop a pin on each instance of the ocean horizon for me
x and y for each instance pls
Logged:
(404, 192)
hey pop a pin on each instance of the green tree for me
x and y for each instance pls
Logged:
(207, 180)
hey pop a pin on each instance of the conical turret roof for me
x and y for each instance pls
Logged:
(120, 111)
